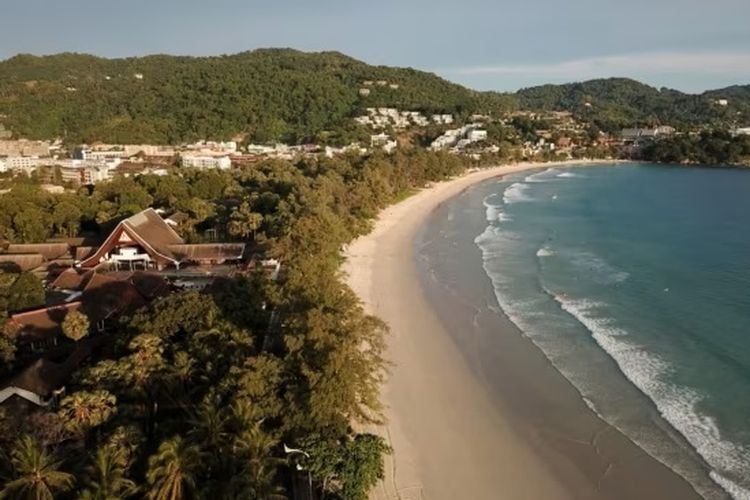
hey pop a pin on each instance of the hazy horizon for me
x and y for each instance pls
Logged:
(688, 45)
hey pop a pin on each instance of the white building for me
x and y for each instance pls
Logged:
(24, 163)
(213, 148)
(741, 131)
(632, 134)
(442, 119)
(3, 167)
(476, 135)
(206, 162)
(459, 138)
(364, 92)
(379, 139)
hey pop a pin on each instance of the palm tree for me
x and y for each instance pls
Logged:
(36, 473)
(172, 470)
(107, 476)
(83, 410)
(243, 221)
(254, 451)
(76, 325)
(209, 425)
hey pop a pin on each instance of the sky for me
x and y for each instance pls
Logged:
(690, 45)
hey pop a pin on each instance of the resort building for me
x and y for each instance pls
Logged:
(206, 162)
(146, 241)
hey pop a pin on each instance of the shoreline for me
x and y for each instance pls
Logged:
(455, 434)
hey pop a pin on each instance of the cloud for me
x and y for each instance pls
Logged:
(652, 63)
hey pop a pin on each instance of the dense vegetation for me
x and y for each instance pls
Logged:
(199, 392)
(615, 103)
(708, 148)
(283, 94)
(269, 94)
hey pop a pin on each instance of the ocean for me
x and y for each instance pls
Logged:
(634, 280)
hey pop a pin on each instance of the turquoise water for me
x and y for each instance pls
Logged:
(635, 282)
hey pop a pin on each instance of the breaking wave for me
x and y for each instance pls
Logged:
(569, 175)
(545, 176)
(678, 405)
(516, 192)
(494, 211)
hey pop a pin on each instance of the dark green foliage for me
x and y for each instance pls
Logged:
(615, 103)
(349, 467)
(20, 291)
(710, 148)
(197, 392)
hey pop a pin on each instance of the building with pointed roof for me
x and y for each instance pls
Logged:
(146, 241)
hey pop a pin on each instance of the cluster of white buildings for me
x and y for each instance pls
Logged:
(76, 171)
(460, 138)
(122, 151)
(355, 147)
(442, 119)
(635, 134)
(380, 118)
(367, 84)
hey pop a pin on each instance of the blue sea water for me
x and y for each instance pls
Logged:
(635, 282)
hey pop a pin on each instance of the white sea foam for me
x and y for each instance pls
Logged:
(545, 251)
(515, 193)
(735, 490)
(545, 176)
(494, 211)
(568, 175)
(678, 405)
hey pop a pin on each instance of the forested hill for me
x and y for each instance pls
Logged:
(293, 96)
(618, 102)
(270, 94)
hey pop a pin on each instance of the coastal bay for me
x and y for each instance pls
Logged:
(459, 430)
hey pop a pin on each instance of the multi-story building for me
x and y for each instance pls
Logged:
(206, 162)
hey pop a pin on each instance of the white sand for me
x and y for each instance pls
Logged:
(450, 439)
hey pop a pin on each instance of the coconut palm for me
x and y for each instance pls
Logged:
(76, 325)
(83, 410)
(172, 470)
(243, 221)
(209, 425)
(254, 451)
(106, 477)
(36, 473)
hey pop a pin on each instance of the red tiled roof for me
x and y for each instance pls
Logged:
(40, 323)
(50, 251)
(72, 279)
(150, 285)
(21, 262)
(209, 251)
(148, 230)
(105, 297)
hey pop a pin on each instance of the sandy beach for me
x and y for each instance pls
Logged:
(520, 432)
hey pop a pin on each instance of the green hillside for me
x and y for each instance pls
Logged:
(618, 102)
(270, 94)
(293, 96)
